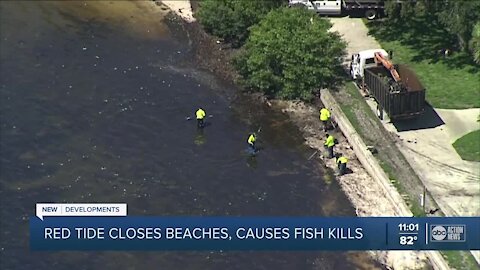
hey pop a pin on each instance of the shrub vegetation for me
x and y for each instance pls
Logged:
(290, 53)
(230, 20)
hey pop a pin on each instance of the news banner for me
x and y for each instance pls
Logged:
(106, 226)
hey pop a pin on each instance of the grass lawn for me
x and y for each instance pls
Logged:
(468, 146)
(452, 82)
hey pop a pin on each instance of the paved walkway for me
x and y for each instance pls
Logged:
(427, 142)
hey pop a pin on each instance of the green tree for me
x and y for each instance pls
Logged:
(290, 53)
(459, 17)
(475, 42)
(392, 10)
(399, 10)
(230, 20)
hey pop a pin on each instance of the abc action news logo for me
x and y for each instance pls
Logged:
(447, 233)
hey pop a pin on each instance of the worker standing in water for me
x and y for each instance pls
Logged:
(200, 116)
(342, 164)
(251, 142)
(329, 143)
(324, 117)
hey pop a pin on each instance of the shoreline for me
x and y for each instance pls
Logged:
(358, 186)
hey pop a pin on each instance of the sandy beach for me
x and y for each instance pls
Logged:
(182, 8)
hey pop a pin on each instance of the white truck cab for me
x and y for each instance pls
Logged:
(370, 8)
(363, 60)
(324, 7)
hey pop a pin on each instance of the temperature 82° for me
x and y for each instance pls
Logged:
(408, 240)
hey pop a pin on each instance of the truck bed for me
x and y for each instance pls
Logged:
(399, 103)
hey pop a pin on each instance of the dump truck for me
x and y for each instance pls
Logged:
(395, 88)
(371, 9)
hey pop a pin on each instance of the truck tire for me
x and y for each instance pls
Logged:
(371, 14)
(379, 112)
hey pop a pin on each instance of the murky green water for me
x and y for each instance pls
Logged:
(94, 97)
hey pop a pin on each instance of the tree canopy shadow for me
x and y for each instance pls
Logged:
(427, 37)
(429, 119)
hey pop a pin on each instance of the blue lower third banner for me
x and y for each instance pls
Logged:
(254, 233)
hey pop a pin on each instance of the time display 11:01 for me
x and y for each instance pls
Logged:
(410, 227)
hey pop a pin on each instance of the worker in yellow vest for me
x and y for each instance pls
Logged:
(329, 143)
(324, 117)
(200, 116)
(342, 164)
(251, 142)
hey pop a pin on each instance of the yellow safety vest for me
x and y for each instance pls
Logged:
(200, 114)
(251, 139)
(324, 114)
(342, 160)
(330, 141)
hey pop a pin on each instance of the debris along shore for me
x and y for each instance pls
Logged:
(359, 186)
